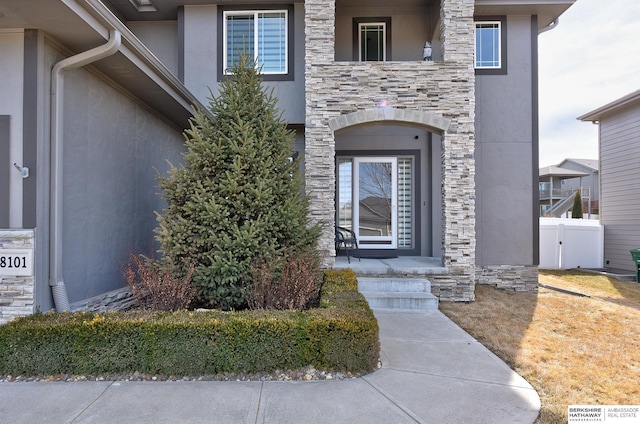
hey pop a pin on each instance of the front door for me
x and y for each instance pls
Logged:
(367, 199)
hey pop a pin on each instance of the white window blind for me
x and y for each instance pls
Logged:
(239, 36)
(345, 193)
(405, 221)
(272, 45)
(262, 34)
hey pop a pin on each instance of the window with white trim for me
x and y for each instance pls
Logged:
(372, 41)
(488, 51)
(262, 34)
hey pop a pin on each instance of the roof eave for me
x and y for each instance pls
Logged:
(547, 11)
(596, 114)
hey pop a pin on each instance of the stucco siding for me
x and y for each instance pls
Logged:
(504, 151)
(200, 50)
(11, 87)
(504, 199)
(161, 38)
(620, 187)
(109, 181)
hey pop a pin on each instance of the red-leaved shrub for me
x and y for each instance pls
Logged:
(157, 285)
(290, 282)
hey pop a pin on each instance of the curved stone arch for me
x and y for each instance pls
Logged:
(435, 122)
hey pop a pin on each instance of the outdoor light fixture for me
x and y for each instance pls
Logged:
(24, 171)
(144, 5)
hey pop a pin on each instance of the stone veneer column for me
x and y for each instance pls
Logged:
(342, 94)
(319, 141)
(16, 292)
(458, 160)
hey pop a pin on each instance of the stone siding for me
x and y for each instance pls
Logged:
(444, 88)
(116, 300)
(510, 277)
(16, 292)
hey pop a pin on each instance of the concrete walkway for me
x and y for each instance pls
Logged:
(432, 372)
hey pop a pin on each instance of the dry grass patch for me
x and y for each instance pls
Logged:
(573, 350)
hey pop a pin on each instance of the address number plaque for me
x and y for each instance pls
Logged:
(16, 262)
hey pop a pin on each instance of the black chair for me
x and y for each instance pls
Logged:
(346, 239)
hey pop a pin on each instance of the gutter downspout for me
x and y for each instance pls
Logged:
(56, 210)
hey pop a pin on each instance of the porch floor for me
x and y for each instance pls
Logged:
(401, 265)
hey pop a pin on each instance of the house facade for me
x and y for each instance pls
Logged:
(619, 150)
(416, 122)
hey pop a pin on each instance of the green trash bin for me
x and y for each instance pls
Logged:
(635, 255)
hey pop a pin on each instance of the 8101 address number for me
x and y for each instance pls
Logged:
(16, 262)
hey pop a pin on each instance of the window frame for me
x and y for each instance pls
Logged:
(247, 10)
(416, 199)
(370, 25)
(357, 22)
(502, 27)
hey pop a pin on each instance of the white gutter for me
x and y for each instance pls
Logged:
(56, 278)
(549, 27)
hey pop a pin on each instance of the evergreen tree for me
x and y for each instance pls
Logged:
(237, 197)
(576, 210)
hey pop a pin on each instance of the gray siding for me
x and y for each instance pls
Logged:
(504, 149)
(11, 86)
(161, 38)
(5, 168)
(620, 185)
(111, 145)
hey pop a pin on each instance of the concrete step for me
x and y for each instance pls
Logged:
(394, 284)
(405, 301)
(398, 293)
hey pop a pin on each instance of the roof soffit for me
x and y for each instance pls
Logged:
(81, 25)
(546, 10)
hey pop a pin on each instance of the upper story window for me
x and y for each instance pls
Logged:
(488, 45)
(264, 35)
(491, 46)
(371, 39)
(372, 42)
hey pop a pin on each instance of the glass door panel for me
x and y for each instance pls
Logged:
(345, 193)
(375, 211)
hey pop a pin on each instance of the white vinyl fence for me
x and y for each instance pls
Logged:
(567, 243)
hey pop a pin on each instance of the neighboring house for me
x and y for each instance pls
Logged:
(559, 183)
(458, 133)
(619, 149)
(590, 185)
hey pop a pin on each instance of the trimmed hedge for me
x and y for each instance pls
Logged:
(340, 335)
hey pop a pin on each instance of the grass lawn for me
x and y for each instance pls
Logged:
(573, 350)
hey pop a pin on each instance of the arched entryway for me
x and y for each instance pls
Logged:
(388, 174)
